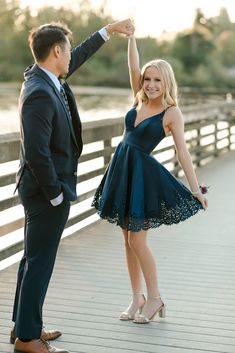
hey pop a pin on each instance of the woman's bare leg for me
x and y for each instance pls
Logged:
(133, 265)
(134, 270)
(138, 243)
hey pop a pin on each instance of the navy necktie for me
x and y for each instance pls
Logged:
(65, 99)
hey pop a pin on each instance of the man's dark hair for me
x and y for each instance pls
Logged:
(44, 38)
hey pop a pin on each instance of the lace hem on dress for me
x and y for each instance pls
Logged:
(184, 208)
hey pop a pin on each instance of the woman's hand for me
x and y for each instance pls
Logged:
(202, 199)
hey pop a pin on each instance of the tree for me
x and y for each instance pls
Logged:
(223, 22)
(192, 49)
(226, 48)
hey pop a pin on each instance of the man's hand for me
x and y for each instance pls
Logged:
(124, 27)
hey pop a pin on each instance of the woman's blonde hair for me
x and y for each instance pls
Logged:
(167, 77)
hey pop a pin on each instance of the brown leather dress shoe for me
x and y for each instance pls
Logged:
(49, 335)
(36, 346)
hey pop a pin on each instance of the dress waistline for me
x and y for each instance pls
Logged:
(131, 144)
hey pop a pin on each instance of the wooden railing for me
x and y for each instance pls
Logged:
(209, 131)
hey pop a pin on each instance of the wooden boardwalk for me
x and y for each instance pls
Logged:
(196, 264)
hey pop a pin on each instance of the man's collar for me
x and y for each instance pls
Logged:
(52, 76)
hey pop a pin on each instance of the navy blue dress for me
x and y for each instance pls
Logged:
(137, 192)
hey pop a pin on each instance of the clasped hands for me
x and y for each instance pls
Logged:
(123, 27)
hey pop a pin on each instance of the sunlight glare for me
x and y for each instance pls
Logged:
(150, 18)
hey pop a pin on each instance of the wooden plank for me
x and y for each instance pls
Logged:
(11, 226)
(7, 179)
(92, 174)
(11, 201)
(106, 152)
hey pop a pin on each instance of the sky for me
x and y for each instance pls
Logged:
(152, 17)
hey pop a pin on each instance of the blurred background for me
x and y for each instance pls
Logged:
(196, 37)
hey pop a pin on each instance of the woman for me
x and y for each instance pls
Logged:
(137, 192)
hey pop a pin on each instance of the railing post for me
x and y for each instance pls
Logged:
(216, 139)
(229, 131)
(107, 145)
(198, 147)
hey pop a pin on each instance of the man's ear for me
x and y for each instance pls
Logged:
(56, 51)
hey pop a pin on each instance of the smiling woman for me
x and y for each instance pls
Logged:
(137, 192)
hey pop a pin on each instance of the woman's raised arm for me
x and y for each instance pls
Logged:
(133, 64)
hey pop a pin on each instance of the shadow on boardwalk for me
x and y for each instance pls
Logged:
(196, 265)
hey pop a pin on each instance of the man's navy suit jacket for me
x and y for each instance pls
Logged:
(50, 142)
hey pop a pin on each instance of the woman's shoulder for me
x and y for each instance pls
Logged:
(174, 112)
(173, 116)
(173, 109)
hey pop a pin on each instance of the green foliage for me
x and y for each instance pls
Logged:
(203, 56)
(192, 49)
(226, 48)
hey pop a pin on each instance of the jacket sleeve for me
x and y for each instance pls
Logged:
(84, 51)
(37, 115)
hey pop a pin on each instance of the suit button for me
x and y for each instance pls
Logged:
(75, 173)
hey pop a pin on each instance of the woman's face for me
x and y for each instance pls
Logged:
(152, 84)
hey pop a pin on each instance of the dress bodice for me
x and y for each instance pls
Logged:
(147, 134)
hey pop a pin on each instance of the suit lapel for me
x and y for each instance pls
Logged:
(41, 73)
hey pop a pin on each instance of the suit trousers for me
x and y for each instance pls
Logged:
(44, 225)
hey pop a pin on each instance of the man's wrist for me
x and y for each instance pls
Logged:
(104, 34)
(109, 29)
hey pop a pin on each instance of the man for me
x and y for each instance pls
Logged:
(51, 144)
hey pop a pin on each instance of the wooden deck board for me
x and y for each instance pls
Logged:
(196, 266)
